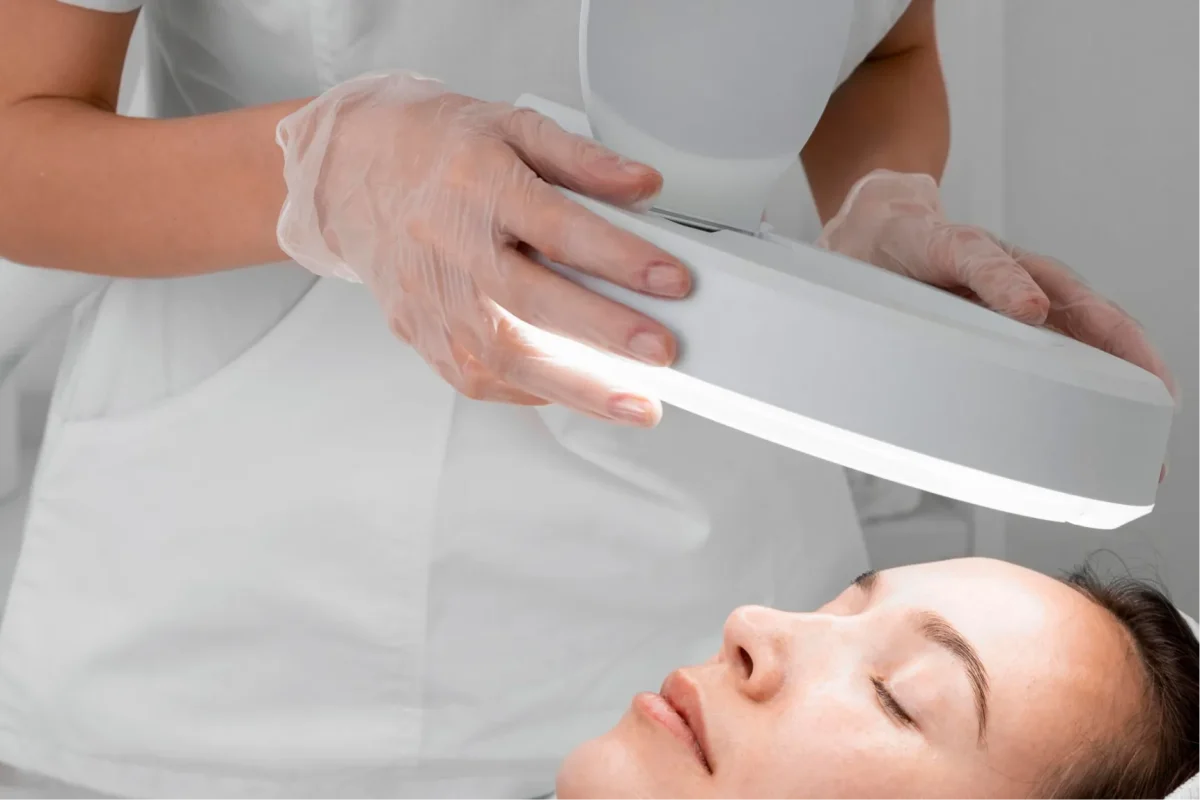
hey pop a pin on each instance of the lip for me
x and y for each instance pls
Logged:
(656, 708)
(683, 695)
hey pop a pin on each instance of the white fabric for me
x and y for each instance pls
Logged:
(230, 585)
(877, 499)
(1190, 789)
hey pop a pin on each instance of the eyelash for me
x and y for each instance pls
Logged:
(893, 709)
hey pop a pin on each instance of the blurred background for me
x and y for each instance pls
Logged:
(1075, 134)
(1100, 169)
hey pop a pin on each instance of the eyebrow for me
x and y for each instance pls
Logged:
(935, 628)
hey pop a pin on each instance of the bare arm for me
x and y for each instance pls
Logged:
(84, 189)
(891, 113)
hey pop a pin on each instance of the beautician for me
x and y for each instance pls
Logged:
(312, 516)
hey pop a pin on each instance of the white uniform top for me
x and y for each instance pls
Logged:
(270, 552)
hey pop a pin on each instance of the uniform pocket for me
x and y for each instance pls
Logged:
(144, 346)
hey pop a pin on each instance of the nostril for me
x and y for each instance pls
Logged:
(747, 662)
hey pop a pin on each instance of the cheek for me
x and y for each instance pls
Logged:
(827, 745)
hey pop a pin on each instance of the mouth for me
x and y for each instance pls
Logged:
(677, 708)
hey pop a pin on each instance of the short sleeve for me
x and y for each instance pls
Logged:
(873, 20)
(115, 6)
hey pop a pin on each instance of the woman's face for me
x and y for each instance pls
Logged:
(959, 678)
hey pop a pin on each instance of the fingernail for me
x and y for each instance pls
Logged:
(644, 204)
(631, 409)
(668, 279)
(635, 168)
(651, 348)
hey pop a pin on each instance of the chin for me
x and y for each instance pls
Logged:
(601, 767)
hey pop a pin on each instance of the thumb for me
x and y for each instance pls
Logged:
(578, 163)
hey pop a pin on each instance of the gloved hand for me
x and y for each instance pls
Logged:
(435, 201)
(895, 221)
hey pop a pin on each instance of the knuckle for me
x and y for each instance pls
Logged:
(505, 353)
(554, 219)
(956, 235)
(461, 381)
(517, 293)
(529, 124)
(419, 229)
(957, 245)
(473, 385)
(482, 274)
(585, 151)
(464, 163)
(521, 195)
(1121, 332)
(399, 328)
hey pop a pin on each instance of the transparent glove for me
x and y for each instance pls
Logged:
(437, 202)
(896, 221)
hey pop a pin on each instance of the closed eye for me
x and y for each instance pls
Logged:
(892, 708)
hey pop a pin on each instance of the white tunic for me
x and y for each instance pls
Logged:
(269, 552)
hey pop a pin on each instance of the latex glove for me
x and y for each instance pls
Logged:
(895, 221)
(435, 201)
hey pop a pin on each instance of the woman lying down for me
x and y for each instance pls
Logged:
(962, 678)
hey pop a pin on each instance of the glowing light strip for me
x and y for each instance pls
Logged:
(830, 443)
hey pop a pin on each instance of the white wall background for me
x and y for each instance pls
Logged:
(1100, 168)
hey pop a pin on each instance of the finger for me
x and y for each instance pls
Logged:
(569, 234)
(547, 300)
(424, 330)
(576, 162)
(969, 256)
(1079, 312)
(574, 388)
(500, 344)
(472, 379)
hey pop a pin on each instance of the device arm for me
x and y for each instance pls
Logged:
(891, 113)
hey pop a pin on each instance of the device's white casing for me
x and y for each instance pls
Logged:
(806, 348)
(879, 373)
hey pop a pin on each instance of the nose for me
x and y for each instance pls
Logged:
(755, 648)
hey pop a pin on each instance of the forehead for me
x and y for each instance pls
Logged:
(1058, 664)
(1005, 610)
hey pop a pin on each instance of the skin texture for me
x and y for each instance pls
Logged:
(790, 706)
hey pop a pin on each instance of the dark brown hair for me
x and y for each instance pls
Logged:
(1157, 751)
